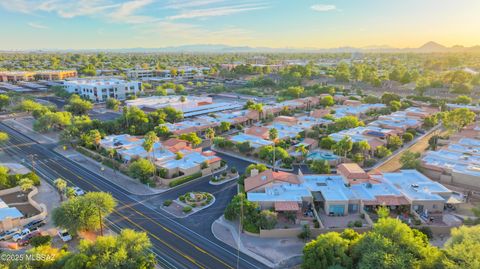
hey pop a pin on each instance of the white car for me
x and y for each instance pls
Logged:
(8, 234)
(20, 235)
(64, 235)
(78, 191)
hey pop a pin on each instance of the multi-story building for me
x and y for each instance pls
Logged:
(14, 76)
(100, 90)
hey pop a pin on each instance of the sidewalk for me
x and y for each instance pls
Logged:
(273, 252)
(24, 125)
(127, 183)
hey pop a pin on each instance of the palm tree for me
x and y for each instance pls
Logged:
(61, 186)
(149, 141)
(111, 154)
(210, 134)
(259, 108)
(273, 135)
(364, 147)
(182, 100)
(303, 150)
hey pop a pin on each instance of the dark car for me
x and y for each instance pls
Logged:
(35, 224)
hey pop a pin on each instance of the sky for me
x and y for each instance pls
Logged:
(103, 24)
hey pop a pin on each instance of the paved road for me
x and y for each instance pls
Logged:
(175, 244)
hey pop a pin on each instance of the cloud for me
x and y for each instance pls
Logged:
(175, 4)
(125, 12)
(37, 25)
(323, 7)
(218, 11)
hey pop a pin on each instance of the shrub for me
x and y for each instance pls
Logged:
(182, 180)
(167, 202)
(233, 170)
(358, 223)
(41, 240)
(187, 209)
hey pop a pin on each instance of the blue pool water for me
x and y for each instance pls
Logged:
(322, 156)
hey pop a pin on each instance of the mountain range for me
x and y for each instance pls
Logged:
(429, 47)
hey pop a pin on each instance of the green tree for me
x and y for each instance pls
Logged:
(295, 91)
(343, 147)
(141, 169)
(129, 249)
(395, 105)
(260, 167)
(4, 101)
(330, 250)
(389, 97)
(149, 141)
(394, 142)
(457, 119)
(327, 142)
(192, 138)
(267, 219)
(462, 247)
(463, 99)
(113, 104)
(3, 137)
(327, 101)
(303, 150)
(210, 134)
(382, 152)
(91, 139)
(61, 186)
(84, 213)
(224, 126)
(410, 160)
(342, 73)
(347, 122)
(320, 167)
(78, 106)
(407, 137)
(162, 131)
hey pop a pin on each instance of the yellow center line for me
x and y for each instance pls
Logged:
(152, 220)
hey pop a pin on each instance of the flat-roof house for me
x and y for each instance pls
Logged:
(349, 191)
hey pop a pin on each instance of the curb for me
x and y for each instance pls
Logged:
(223, 182)
(247, 159)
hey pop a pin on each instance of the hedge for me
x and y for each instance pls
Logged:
(182, 180)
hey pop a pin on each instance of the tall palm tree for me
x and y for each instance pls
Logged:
(149, 141)
(273, 135)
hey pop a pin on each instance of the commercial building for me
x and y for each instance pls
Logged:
(14, 76)
(99, 90)
(183, 103)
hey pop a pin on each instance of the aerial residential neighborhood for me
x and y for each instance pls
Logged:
(239, 134)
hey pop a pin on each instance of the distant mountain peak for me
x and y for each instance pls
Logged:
(432, 46)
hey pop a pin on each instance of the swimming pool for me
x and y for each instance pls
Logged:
(322, 155)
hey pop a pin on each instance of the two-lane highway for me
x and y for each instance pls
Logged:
(175, 245)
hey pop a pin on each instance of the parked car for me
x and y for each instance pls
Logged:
(26, 240)
(78, 191)
(64, 235)
(20, 235)
(35, 224)
(8, 234)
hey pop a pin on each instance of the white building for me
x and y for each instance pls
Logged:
(156, 102)
(100, 90)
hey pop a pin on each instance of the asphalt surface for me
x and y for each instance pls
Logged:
(177, 243)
